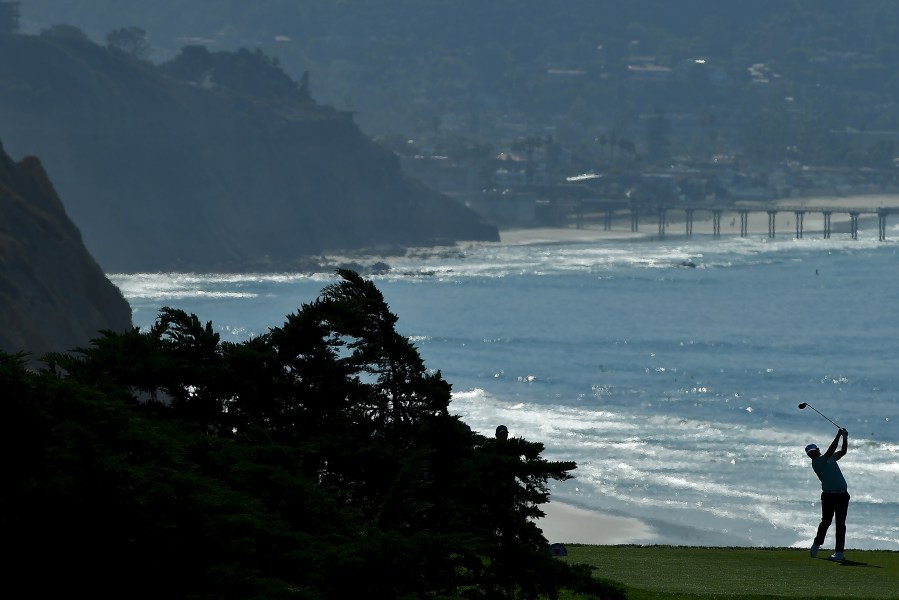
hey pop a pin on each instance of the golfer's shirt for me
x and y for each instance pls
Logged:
(828, 471)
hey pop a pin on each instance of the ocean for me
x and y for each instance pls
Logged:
(675, 388)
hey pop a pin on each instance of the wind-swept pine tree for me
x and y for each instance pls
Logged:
(319, 460)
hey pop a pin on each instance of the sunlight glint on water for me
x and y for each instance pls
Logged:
(674, 389)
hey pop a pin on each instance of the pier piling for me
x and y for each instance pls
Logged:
(800, 214)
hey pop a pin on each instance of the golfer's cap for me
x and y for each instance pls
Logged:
(810, 447)
(502, 428)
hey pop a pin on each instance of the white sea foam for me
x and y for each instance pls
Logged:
(671, 477)
(674, 389)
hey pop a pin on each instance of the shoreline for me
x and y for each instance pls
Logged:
(370, 263)
(567, 523)
(570, 524)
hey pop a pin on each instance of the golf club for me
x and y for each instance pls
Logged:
(804, 404)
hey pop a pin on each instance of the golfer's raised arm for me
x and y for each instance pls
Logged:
(833, 445)
(842, 452)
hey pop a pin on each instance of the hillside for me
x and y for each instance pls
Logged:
(771, 79)
(53, 295)
(211, 161)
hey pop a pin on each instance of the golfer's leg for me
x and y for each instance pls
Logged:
(841, 510)
(827, 511)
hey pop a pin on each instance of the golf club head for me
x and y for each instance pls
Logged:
(802, 405)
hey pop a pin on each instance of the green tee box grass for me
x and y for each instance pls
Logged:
(674, 572)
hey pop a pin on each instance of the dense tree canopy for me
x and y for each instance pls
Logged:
(319, 460)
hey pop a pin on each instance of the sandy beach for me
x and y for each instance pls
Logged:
(757, 222)
(566, 523)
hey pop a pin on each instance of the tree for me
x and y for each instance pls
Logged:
(528, 145)
(304, 86)
(130, 41)
(65, 32)
(658, 136)
(319, 460)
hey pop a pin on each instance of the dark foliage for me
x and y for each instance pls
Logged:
(317, 461)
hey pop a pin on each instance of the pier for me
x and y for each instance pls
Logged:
(607, 211)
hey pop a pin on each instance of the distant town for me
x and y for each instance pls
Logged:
(519, 192)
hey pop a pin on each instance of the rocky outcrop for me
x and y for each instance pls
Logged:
(53, 294)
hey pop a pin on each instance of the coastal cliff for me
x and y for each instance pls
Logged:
(211, 161)
(53, 295)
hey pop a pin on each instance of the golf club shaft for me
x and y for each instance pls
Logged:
(822, 414)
